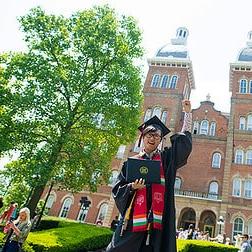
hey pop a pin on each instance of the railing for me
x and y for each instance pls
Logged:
(198, 195)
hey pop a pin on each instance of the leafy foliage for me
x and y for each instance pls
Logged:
(72, 98)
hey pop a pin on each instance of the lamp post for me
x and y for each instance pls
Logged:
(84, 206)
(220, 222)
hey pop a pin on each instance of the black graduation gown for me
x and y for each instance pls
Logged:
(165, 241)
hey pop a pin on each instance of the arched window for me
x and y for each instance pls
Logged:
(250, 228)
(50, 201)
(204, 127)
(157, 111)
(249, 122)
(249, 157)
(213, 190)
(237, 226)
(164, 117)
(248, 188)
(155, 80)
(250, 87)
(120, 151)
(82, 213)
(236, 187)
(102, 213)
(173, 81)
(195, 127)
(178, 183)
(242, 123)
(243, 86)
(212, 129)
(147, 115)
(239, 157)
(113, 177)
(216, 160)
(65, 207)
(164, 81)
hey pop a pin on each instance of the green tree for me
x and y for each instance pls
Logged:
(72, 98)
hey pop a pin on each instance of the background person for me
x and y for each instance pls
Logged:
(6, 216)
(18, 231)
(148, 223)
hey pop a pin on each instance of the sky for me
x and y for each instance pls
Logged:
(217, 32)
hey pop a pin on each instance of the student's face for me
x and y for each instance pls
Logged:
(151, 141)
(22, 216)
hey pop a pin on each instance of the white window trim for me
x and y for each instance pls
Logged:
(219, 163)
(234, 195)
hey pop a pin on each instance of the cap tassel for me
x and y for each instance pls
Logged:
(140, 140)
(148, 234)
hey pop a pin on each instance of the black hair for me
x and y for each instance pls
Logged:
(152, 128)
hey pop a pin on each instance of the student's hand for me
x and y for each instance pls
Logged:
(186, 106)
(138, 184)
(12, 225)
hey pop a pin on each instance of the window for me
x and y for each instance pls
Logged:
(243, 86)
(173, 81)
(82, 213)
(250, 87)
(102, 213)
(249, 122)
(237, 226)
(195, 127)
(212, 129)
(249, 157)
(216, 160)
(65, 207)
(242, 123)
(155, 80)
(248, 188)
(136, 147)
(120, 151)
(236, 187)
(50, 201)
(213, 190)
(250, 227)
(147, 115)
(186, 92)
(204, 127)
(165, 81)
(239, 156)
(113, 177)
(157, 112)
(178, 183)
(164, 117)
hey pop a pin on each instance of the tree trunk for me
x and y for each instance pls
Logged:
(33, 201)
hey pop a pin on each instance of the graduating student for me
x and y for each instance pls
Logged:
(148, 211)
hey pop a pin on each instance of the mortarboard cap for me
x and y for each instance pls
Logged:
(156, 125)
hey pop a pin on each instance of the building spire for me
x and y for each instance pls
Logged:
(208, 97)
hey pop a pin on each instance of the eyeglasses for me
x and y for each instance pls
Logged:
(154, 135)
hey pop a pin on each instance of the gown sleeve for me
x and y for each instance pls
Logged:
(122, 192)
(181, 148)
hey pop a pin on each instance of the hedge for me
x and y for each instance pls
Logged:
(62, 235)
(203, 246)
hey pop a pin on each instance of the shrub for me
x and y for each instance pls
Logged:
(69, 236)
(203, 246)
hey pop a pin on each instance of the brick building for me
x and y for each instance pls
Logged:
(214, 190)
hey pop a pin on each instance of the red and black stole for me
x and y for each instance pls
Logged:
(140, 214)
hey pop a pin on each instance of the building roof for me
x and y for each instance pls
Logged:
(177, 48)
(246, 53)
(173, 51)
